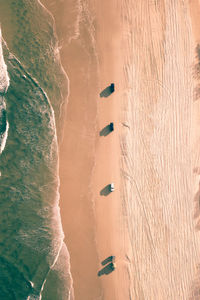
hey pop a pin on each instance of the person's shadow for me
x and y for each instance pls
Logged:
(107, 91)
(106, 270)
(105, 191)
(108, 260)
(105, 131)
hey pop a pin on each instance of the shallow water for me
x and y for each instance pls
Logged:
(31, 236)
(29, 31)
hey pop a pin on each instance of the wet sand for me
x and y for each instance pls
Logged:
(89, 161)
(111, 224)
(77, 152)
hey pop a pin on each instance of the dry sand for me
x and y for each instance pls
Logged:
(151, 221)
(161, 149)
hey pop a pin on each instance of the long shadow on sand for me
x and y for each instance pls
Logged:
(106, 270)
(107, 91)
(105, 131)
(105, 191)
(108, 260)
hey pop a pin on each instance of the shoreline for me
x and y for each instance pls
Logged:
(149, 224)
(77, 159)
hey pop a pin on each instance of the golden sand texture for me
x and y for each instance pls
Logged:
(161, 150)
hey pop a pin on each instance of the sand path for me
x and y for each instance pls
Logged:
(160, 150)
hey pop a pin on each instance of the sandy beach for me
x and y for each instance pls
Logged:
(151, 221)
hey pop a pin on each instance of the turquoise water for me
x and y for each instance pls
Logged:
(34, 262)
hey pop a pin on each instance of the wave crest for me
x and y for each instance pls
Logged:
(4, 78)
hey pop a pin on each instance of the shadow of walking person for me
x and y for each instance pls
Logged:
(107, 269)
(105, 191)
(105, 131)
(107, 91)
(107, 260)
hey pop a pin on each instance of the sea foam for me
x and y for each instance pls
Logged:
(4, 78)
(4, 84)
(31, 236)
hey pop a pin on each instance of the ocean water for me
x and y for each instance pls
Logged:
(29, 30)
(34, 261)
